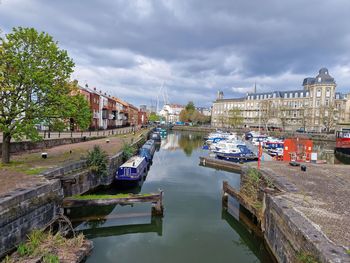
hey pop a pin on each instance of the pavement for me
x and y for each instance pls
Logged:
(321, 194)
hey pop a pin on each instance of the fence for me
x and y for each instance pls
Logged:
(46, 135)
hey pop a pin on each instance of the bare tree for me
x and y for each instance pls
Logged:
(328, 116)
(235, 118)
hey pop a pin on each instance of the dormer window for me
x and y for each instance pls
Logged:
(319, 79)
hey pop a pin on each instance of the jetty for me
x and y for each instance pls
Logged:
(156, 199)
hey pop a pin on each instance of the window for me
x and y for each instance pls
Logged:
(327, 102)
(296, 95)
(290, 95)
(318, 93)
(328, 92)
(285, 95)
(301, 95)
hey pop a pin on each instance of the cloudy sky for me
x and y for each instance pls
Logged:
(190, 49)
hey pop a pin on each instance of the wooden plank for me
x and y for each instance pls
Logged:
(71, 202)
(220, 164)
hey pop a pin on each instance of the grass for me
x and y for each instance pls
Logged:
(44, 245)
(348, 251)
(96, 197)
(305, 257)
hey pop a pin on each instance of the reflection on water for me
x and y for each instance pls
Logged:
(186, 141)
(194, 227)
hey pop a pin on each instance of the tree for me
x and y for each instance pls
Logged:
(235, 117)
(328, 116)
(190, 107)
(35, 72)
(154, 117)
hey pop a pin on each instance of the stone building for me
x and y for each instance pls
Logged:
(316, 107)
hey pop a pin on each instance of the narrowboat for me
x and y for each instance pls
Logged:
(342, 142)
(132, 170)
(155, 136)
(147, 150)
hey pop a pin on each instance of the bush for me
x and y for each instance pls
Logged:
(97, 160)
(128, 151)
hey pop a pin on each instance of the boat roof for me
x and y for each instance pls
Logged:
(134, 161)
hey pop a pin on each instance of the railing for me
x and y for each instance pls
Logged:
(58, 135)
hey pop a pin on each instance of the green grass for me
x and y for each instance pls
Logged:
(304, 257)
(117, 196)
(348, 251)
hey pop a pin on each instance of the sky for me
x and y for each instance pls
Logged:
(182, 50)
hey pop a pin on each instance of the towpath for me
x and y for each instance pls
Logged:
(24, 168)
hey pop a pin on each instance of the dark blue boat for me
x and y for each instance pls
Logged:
(244, 155)
(147, 150)
(132, 170)
(156, 137)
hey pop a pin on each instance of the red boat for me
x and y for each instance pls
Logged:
(342, 141)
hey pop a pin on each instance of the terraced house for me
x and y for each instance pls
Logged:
(316, 107)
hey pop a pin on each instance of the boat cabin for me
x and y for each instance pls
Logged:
(132, 170)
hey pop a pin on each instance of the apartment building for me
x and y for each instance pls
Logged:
(171, 112)
(316, 107)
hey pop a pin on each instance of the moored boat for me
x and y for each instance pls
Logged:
(147, 150)
(342, 142)
(132, 170)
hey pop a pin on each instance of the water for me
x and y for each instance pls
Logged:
(195, 227)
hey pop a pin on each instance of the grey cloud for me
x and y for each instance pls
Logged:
(195, 46)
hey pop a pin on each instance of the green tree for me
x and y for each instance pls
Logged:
(190, 107)
(35, 72)
(154, 117)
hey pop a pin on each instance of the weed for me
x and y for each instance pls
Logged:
(95, 197)
(22, 250)
(305, 257)
(97, 160)
(50, 258)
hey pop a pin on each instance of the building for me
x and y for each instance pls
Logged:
(205, 111)
(142, 117)
(316, 107)
(171, 112)
(95, 108)
(132, 115)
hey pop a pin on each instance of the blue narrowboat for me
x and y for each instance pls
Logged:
(156, 137)
(132, 170)
(147, 150)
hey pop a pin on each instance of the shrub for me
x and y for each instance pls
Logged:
(128, 151)
(97, 160)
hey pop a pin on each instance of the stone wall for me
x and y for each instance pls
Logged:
(290, 235)
(26, 209)
(17, 147)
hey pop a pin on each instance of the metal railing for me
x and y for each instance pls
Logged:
(46, 135)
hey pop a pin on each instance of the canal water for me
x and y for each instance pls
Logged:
(195, 227)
